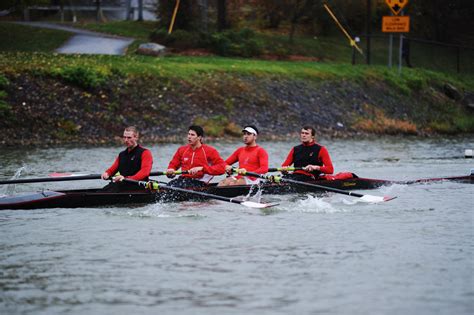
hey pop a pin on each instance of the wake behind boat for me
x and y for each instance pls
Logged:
(91, 198)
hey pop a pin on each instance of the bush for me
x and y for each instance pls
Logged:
(235, 43)
(84, 77)
(3, 81)
(217, 126)
(5, 108)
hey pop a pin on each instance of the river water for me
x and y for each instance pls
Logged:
(309, 255)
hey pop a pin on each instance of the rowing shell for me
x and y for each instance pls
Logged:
(96, 197)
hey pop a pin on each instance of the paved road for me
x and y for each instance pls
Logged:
(87, 42)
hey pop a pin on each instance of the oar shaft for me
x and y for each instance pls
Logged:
(49, 179)
(326, 188)
(183, 190)
(336, 190)
(155, 185)
(283, 169)
(66, 178)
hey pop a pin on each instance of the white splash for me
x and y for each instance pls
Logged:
(317, 205)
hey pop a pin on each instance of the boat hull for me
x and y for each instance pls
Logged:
(90, 198)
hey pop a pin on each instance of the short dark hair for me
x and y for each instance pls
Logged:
(198, 129)
(313, 131)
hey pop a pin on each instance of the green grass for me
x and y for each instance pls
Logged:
(334, 48)
(20, 44)
(15, 37)
(138, 30)
(185, 68)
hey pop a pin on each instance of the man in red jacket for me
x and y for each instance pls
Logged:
(251, 157)
(200, 161)
(311, 156)
(135, 162)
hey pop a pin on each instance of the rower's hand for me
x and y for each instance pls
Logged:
(284, 170)
(195, 170)
(310, 168)
(170, 172)
(118, 178)
(105, 176)
(241, 171)
(229, 169)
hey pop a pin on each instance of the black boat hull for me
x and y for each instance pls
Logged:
(90, 198)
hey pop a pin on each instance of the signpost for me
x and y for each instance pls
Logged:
(396, 24)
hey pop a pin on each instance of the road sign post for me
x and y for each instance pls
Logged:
(396, 24)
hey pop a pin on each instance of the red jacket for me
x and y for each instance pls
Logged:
(205, 156)
(323, 156)
(253, 159)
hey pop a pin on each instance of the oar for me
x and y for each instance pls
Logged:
(284, 169)
(364, 198)
(61, 177)
(155, 186)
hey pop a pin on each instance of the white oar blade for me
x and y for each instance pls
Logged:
(257, 205)
(375, 199)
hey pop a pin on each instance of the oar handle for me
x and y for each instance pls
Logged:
(284, 169)
(274, 169)
(159, 173)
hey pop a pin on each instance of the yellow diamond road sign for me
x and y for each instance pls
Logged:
(396, 5)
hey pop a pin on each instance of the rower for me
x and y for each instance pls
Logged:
(135, 162)
(251, 157)
(309, 155)
(200, 161)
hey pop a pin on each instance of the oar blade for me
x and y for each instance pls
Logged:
(257, 205)
(375, 199)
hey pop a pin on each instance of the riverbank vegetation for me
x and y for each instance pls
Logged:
(75, 98)
(52, 98)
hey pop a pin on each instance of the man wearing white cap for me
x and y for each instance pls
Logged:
(251, 157)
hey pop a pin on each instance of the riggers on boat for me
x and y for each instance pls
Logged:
(91, 198)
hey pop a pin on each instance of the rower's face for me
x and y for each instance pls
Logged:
(129, 139)
(193, 138)
(305, 136)
(248, 137)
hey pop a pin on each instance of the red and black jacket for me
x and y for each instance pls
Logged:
(134, 164)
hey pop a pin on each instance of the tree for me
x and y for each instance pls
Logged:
(221, 15)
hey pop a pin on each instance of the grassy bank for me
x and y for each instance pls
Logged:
(66, 98)
(16, 37)
(185, 68)
(334, 48)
